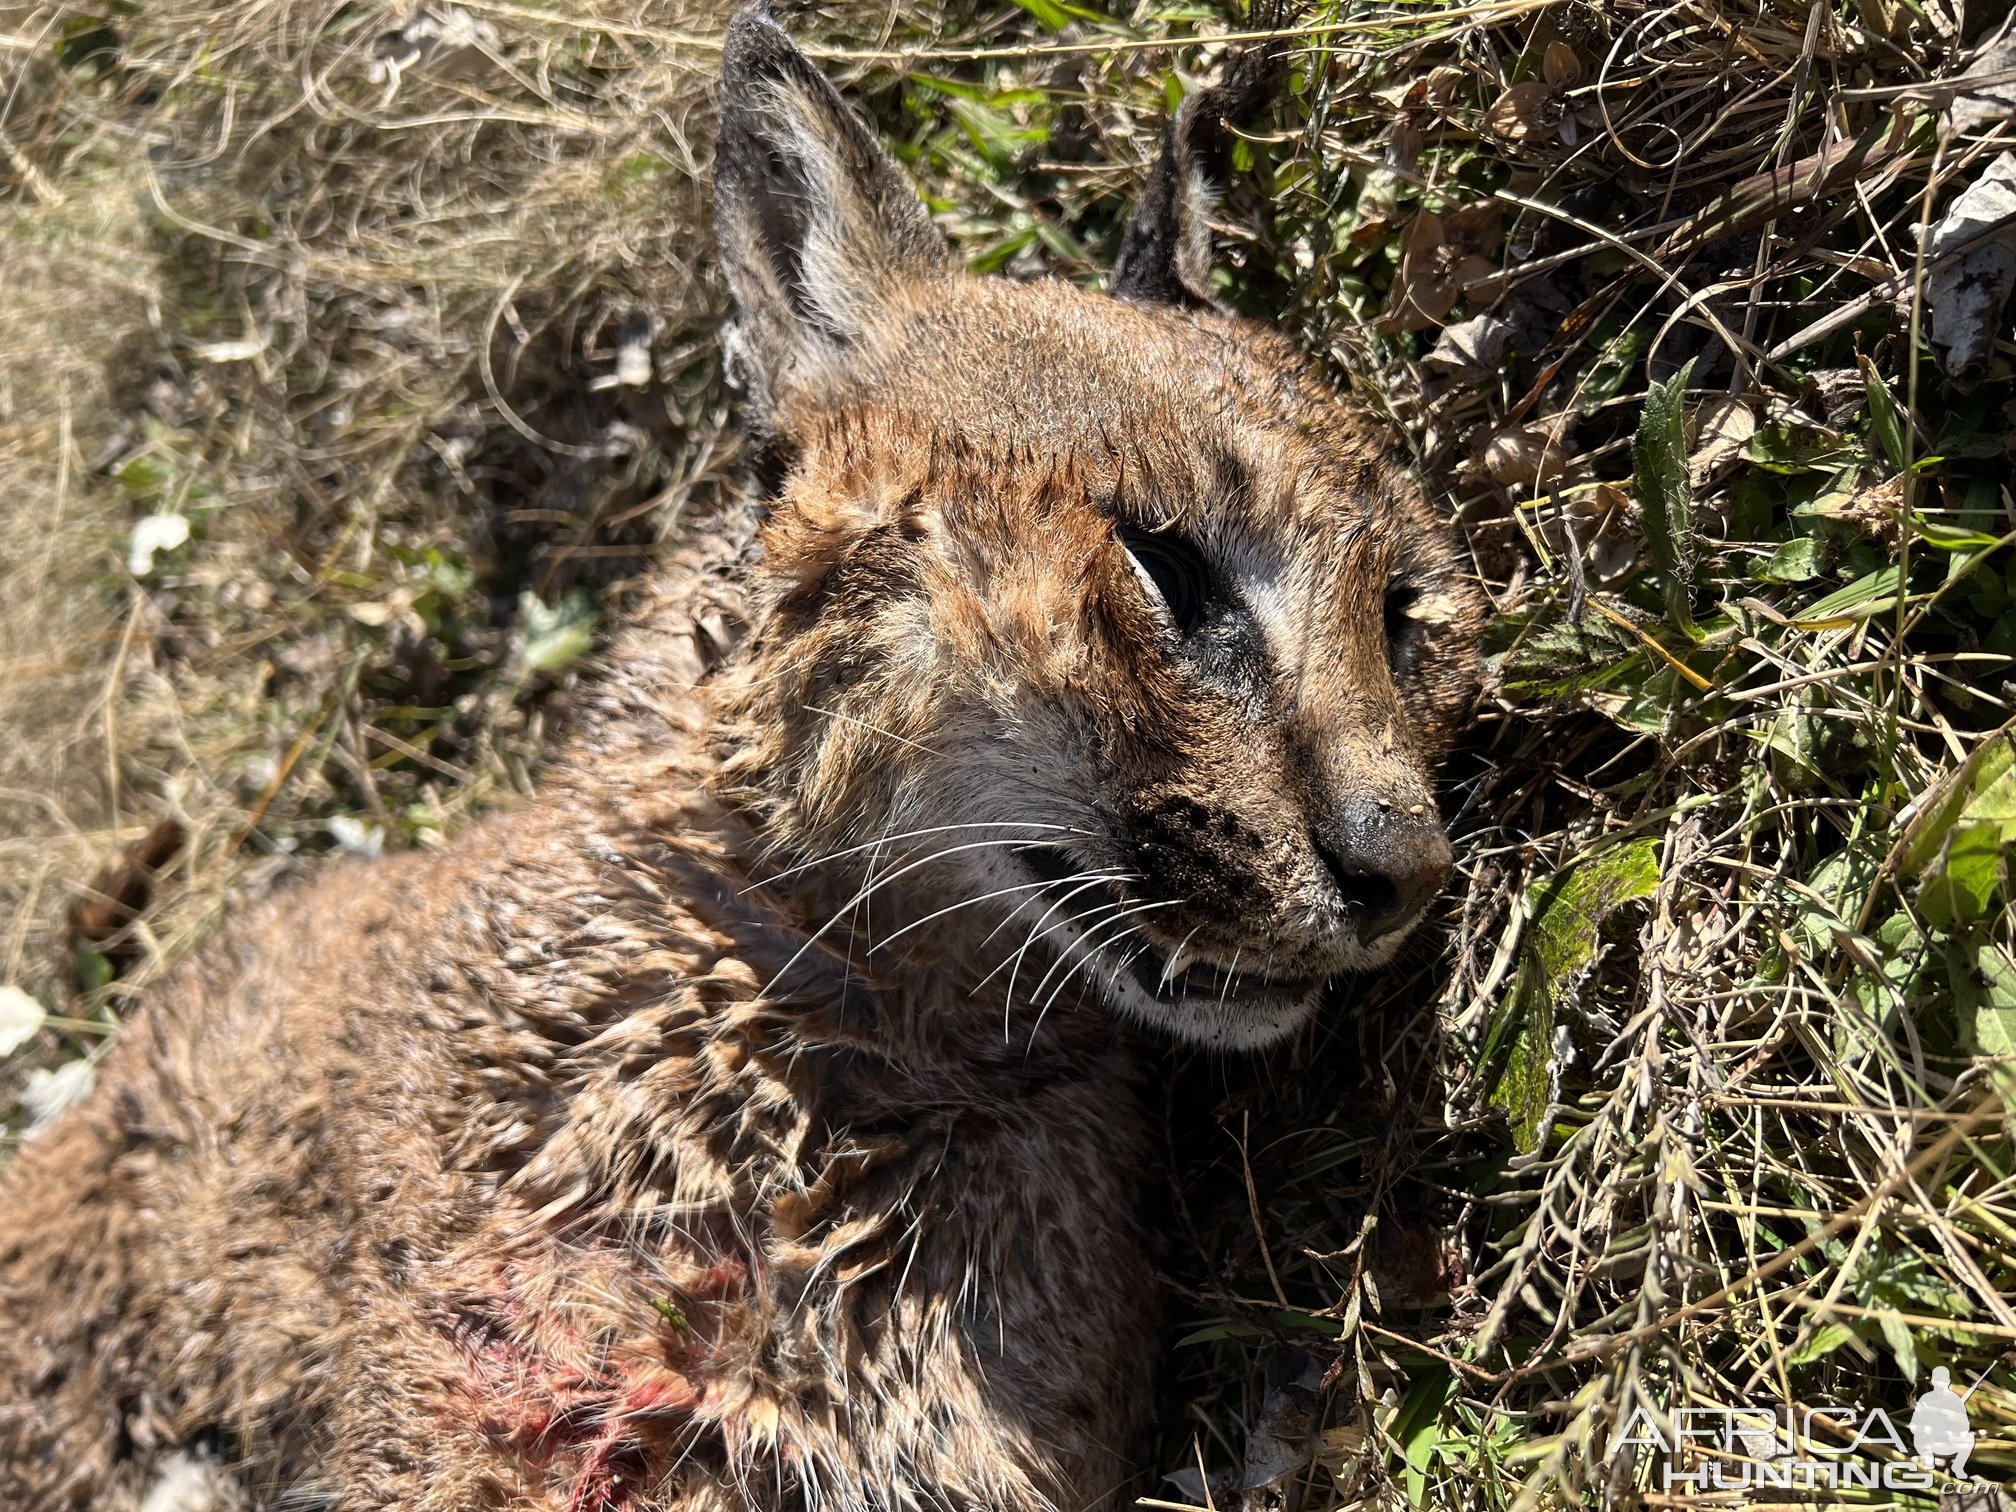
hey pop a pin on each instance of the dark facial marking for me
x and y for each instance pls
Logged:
(1218, 637)
(1403, 633)
(1179, 572)
(1184, 849)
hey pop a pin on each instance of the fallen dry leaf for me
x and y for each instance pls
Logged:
(1527, 112)
(1444, 259)
(1472, 347)
(1525, 456)
(1721, 428)
(1431, 91)
(1967, 294)
(1379, 197)
(1560, 67)
(1987, 93)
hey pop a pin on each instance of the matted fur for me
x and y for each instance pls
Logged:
(739, 1124)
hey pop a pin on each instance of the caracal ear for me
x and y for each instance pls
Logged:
(818, 229)
(1165, 255)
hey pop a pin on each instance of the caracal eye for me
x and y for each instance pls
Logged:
(1173, 572)
(1403, 631)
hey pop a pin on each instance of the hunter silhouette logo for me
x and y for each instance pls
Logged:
(1717, 1449)
(1939, 1428)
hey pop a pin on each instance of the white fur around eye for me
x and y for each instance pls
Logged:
(1267, 600)
(1151, 588)
(193, 1483)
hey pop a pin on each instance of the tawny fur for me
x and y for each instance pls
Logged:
(742, 1124)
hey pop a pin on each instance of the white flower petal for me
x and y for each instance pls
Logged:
(229, 351)
(48, 1093)
(358, 836)
(20, 1017)
(152, 533)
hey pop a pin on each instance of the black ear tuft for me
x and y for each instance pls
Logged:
(817, 226)
(1165, 255)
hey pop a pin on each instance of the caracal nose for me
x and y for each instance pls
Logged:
(1386, 863)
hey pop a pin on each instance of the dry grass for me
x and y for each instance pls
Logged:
(348, 299)
(1706, 1098)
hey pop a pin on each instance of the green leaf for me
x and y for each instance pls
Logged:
(1797, 561)
(1951, 537)
(1961, 886)
(1822, 1342)
(1897, 1334)
(1000, 99)
(557, 635)
(1648, 708)
(147, 476)
(1215, 1333)
(1794, 449)
(1571, 905)
(1305, 1322)
(1048, 13)
(1891, 1282)
(637, 169)
(1984, 994)
(94, 971)
(1875, 593)
(1616, 363)
(1550, 657)
(1886, 422)
(1665, 497)
(1524, 1086)
(1417, 1428)
(995, 135)
(1563, 941)
(1983, 791)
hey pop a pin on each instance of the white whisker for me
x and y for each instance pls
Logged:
(1091, 954)
(1084, 941)
(1232, 972)
(1037, 932)
(999, 892)
(916, 834)
(1015, 962)
(1179, 959)
(874, 886)
(870, 725)
(1057, 882)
